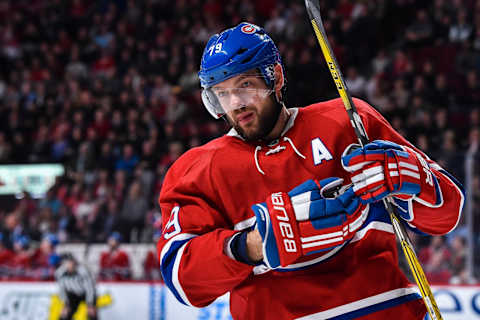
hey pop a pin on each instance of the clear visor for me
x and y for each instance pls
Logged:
(223, 100)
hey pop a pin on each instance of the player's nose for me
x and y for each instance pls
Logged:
(236, 100)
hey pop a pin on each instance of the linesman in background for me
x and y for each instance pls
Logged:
(76, 285)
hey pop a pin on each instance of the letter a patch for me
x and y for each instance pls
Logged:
(320, 152)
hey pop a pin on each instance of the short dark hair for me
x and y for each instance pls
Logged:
(68, 256)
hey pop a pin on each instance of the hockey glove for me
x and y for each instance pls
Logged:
(315, 216)
(383, 168)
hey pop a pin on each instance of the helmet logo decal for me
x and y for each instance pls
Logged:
(248, 29)
(269, 72)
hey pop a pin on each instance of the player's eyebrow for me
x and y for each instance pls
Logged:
(248, 74)
(241, 77)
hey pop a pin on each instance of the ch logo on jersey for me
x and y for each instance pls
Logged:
(320, 152)
(172, 228)
(248, 29)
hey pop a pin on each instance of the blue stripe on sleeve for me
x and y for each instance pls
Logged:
(166, 266)
(377, 307)
(459, 185)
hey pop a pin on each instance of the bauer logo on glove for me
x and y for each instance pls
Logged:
(304, 221)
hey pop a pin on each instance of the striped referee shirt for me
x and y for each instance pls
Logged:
(80, 282)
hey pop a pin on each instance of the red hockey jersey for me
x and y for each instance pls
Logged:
(206, 199)
(151, 267)
(114, 265)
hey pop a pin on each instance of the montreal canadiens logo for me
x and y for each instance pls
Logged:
(248, 29)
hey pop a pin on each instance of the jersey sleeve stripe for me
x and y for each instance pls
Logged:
(302, 265)
(373, 225)
(461, 191)
(170, 258)
(458, 186)
(367, 306)
(175, 281)
(180, 237)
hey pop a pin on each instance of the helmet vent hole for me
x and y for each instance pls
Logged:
(246, 60)
(241, 50)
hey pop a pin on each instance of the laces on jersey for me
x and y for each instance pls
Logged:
(277, 149)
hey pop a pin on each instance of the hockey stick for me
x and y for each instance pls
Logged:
(313, 9)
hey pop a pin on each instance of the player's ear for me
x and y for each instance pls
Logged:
(279, 80)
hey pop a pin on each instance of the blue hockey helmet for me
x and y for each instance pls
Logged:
(22, 240)
(232, 52)
(51, 238)
(115, 235)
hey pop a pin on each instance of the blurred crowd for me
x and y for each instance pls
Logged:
(29, 261)
(109, 88)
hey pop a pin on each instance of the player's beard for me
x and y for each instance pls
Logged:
(266, 118)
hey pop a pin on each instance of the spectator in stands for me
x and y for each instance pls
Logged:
(20, 264)
(45, 260)
(85, 211)
(109, 215)
(461, 277)
(6, 256)
(420, 31)
(356, 83)
(106, 159)
(114, 263)
(459, 254)
(400, 94)
(84, 159)
(461, 30)
(175, 150)
(5, 148)
(67, 230)
(128, 161)
(51, 201)
(435, 260)
(133, 213)
(151, 266)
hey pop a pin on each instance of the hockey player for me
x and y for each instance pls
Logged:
(284, 211)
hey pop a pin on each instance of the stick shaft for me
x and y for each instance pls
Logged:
(399, 229)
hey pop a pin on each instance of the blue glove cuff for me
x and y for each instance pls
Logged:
(264, 226)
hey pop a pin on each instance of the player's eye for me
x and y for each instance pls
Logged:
(246, 84)
(222, 94)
